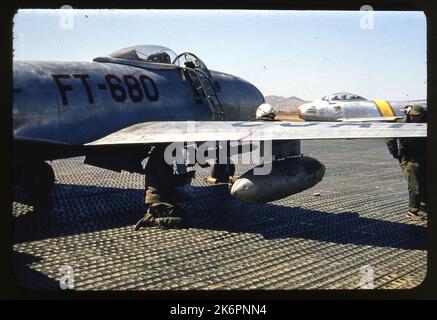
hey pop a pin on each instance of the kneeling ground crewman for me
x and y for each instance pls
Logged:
(161, 192)
(411, 153)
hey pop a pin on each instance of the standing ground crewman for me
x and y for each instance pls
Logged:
(411, 153)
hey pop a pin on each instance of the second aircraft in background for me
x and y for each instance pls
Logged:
(343, 106)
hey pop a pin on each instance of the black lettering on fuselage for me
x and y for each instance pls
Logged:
(117, 91)
(83, 78)
(119, 88)
(133, 88)
(63, 88)
(151, 96)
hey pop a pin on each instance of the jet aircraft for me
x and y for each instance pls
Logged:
(343, 106)
(113, 109)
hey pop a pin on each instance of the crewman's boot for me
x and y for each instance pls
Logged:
(170, 222)
(168, 216)
(414, 215)
(147, 221)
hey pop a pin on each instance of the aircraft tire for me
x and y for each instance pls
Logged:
(37, 181)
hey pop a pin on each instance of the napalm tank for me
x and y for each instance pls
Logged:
(287, 177)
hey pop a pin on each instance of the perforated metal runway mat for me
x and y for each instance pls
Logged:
(343, 233)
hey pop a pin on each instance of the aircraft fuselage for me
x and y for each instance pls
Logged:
(339, 108)
(79, 102)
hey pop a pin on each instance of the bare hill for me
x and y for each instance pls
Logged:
(283, 104)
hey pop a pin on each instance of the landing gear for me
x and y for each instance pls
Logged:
(37, 180)
(222, 172)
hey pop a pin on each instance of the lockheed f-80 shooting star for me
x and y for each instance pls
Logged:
(111, 110)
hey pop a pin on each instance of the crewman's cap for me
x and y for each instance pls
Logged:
(264, 110)
(416, 110)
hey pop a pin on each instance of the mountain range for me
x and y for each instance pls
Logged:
(283, 104)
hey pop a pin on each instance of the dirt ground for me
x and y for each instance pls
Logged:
(288, 117)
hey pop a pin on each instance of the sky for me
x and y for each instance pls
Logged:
(308, 54)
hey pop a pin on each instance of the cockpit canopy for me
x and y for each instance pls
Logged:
(146, 53)
(159, 56)
(343, 96)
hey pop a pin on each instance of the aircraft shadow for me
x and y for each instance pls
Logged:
(76, 209)
(23, 272)
(80, 209)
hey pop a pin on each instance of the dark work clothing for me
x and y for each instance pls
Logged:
(161, 191)
(415, 174)
(408, 149)
(411, 153)
(161, 182)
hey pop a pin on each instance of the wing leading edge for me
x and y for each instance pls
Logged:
(372, 119)
(193, 131)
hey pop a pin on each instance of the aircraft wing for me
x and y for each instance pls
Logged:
(193, 131)
(372, 119)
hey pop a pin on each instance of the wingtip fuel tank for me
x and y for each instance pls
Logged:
(287, 177)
